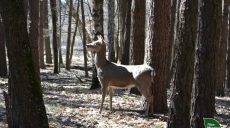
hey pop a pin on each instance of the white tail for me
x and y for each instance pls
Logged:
(112, 75)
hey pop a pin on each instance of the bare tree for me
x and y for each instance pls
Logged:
(111, 31)
(203, 93)
(158, 50)
(55, 44)
(47, 36)
(41, 34)
(84, 38)
(183, 70)
(24, 101)
(3, 65)
(69, 35)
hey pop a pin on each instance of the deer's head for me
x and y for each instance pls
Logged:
(96, 46)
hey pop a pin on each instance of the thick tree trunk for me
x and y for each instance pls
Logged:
(26, 106)
(111, 29)
(203, 93)
(46, 34)
(53, 7)
(97, 11)
(137, 37)
(41, 35)
(183, 70)
(138, 32)
(84, 39)
(125, 24)
(34, 31)
(3, 65)
(222, 52)
(158, 50)
(69, 36)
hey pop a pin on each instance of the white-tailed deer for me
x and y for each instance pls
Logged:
(112, 75)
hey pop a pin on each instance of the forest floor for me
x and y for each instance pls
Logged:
(70, 104)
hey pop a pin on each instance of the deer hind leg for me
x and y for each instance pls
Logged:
(110, 98)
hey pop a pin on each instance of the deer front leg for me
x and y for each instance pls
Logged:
(104, 90)
(111, 97)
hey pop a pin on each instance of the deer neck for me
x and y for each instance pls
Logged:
(100, 57)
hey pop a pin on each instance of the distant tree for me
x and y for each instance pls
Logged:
(76, 16)
(41, 34)
(84, 38)
(47, 36)
(70, 2)
(3, 65)
(203, 93)
(111, 30)
(97, 16)
(158, 50)
(53, 7)
(183, 70)
(24, 101)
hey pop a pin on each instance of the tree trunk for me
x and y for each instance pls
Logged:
(111, 29)
(183, 70)
(41, 35)
(97, 11)
(75, 32)
(34, 31)
(3, 65)
(158, 50)
(228, 57)
(84, 39)
(53, 7)
(26, 106)
(46, 34)
(203, 93)
(138, 32)
(69, 35)
(60, 34)
(222, 52)
(173, 28)
(126, 34)
(137, 35)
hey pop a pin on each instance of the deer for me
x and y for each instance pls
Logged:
(117, 76)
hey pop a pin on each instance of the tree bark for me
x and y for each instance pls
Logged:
(26, 104)
(69, 35)
(158, 50)
(138, 32)
(46, 34)
(222, 52)
(75, 32)
(3, 64)
(53, 7)
(41, 35)
(84, 39)
(111, 29)
(183, 70)
(203, 93)
(34, 30)
(97, 11)
(127, 31)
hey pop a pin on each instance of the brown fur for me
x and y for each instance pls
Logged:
(112, 75)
